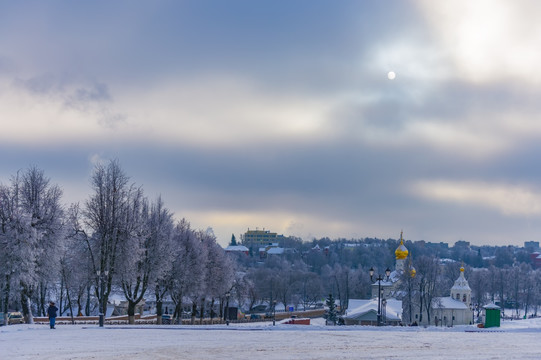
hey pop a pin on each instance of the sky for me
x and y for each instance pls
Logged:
(281, 115)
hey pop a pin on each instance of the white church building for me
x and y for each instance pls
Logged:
(454, 309)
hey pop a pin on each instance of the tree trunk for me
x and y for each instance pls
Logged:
(61, 295)
(69, 302)
(159, 310)
(27, 307)
(178, 312)
(202, 310)
(212, 310)
(87, 307)
(194, 312)
(6, 299)
(42, 294)
(131, 312)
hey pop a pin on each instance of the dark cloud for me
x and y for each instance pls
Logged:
(85, 56)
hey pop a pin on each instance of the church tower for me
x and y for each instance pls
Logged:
(401, 254)
(461, 290)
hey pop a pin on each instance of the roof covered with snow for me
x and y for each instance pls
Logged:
(236, 248)
(447, 303)
(461, 283)
(358, 307)
(275, 251)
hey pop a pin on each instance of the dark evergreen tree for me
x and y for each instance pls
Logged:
(330, 314)
(233, 240)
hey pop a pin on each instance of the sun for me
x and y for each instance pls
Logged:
(391, 75)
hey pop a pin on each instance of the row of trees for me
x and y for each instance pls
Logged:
(292, 281)
(517, 289)
(117, 241)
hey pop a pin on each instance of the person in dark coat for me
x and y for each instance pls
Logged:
(51, 312)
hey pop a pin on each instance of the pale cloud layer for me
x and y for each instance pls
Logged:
(245, 115)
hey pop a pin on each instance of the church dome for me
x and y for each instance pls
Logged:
(461, 284)
(401, 251)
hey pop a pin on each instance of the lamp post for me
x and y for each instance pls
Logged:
(379, 279)
(274, 313)
(101, 286)
(227, 295)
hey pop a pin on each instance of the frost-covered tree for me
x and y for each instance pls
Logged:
(188, 271)
(76, 265)
(219, 270)
(31, 217)
(146, 257)
(108, 222)
(31, 226)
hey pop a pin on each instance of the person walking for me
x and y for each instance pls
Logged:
(51, 312)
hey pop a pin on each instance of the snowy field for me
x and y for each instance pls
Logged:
(514, 340)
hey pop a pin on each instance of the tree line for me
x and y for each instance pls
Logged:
(307, 275)
(116, 241)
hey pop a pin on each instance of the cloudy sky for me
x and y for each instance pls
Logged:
(280, 114)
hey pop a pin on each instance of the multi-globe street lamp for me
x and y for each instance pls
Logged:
(379, 279)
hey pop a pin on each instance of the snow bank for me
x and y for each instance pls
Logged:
(514, 340)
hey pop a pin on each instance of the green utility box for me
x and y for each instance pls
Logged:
(492, 315)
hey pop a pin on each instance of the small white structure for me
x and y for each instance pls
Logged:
(365, 312)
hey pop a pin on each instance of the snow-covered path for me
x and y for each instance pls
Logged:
(519, 341)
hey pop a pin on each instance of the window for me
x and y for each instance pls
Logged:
(458, 296)
(464, 298)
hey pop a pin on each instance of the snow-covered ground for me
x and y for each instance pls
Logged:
(514, 340)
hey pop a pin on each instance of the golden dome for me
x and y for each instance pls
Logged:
(401, 251)
(413, 272)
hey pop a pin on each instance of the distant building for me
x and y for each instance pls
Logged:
(274, 249)
(365, 312)
(260, 237)
(531, 245)
(462, 244)
(535, 257)
(389, 286)
(266, 250)
(236, 249)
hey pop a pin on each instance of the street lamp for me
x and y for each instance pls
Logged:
(379, 279)
(227, 295)
(101, 291)
(274, 313)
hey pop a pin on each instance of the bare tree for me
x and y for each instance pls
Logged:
(428, 272)
(409, 289)
(479, 281)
